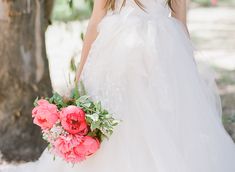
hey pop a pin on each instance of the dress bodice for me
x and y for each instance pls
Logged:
(150, 6)
(147, 3)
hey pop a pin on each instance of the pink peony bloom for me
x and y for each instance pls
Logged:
(65, 146)
(88, 146)
(75, 148)
(73, 157)
(45, 114)
(73, 120)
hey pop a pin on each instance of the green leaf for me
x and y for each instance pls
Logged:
(87, 104)
(115, 122)
(72, 65)
(102, 137)
(82, 89)
(35, 103)
(57, 99)
(104, 111)
(84, 99)
(106, 116)
(94, 117)
(95, 125)
(82, 36)
(98, 106)
(92, 134)
(88, 119)
(75, 91)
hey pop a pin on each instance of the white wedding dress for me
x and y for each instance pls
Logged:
(142, 68)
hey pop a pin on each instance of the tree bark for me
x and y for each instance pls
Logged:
(24, 75)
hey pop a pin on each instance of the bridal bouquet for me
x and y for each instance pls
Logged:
(74, 127)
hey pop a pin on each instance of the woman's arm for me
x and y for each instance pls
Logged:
(91, 33)
(180, 11)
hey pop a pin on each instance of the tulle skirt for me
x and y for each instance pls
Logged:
(142, 68)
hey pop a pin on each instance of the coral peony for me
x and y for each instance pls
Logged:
(73, 120)
(65, 146)
(45, 114)
(88, 146)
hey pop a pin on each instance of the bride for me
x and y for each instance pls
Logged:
(139, 62)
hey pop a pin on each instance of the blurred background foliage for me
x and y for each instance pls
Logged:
(220, 2)
(210, 2)
(69, 10)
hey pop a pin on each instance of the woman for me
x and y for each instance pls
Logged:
(139, 62)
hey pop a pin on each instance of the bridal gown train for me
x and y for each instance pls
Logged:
(141, 67)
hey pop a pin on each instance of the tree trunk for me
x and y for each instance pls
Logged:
(24, 75)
